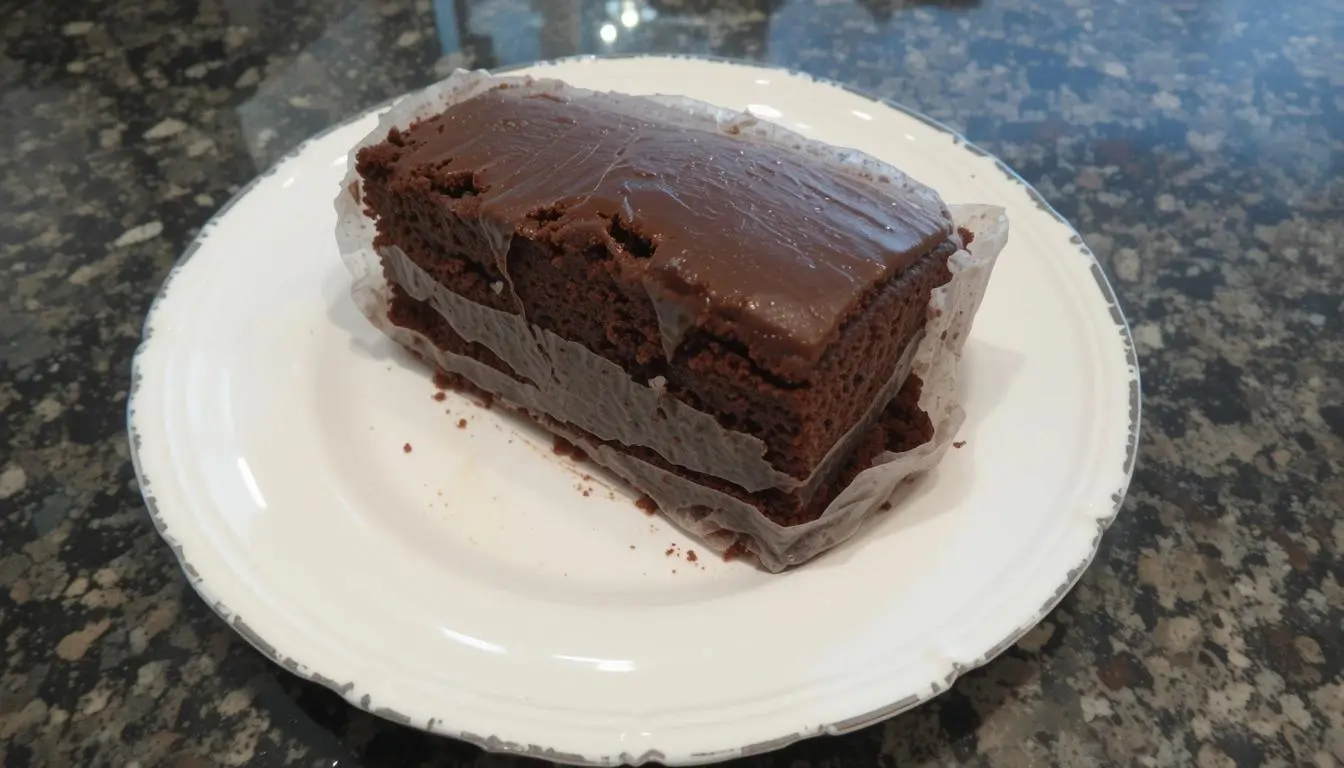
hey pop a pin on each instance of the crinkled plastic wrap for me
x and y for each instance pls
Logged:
(721, 521)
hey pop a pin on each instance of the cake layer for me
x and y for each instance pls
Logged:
(798, 424)
(751, 242)
(569, 384)
(900, 426)
(736, 283)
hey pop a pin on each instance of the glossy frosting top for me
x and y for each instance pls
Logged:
(747, 239)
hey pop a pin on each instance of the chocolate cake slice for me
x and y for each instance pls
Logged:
(729, 319)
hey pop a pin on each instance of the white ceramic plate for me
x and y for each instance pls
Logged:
(470, 587)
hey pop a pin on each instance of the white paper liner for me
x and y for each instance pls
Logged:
(720, 521)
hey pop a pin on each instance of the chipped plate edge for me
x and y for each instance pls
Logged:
(495, 744)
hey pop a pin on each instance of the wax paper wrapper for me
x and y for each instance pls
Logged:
(583, 386)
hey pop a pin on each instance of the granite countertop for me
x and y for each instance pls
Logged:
(1198, 147)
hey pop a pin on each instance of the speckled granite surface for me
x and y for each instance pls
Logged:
(1198, 146)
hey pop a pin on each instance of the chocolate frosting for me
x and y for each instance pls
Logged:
(732, 234)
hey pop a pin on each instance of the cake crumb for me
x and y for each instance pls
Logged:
(632, 546)
(647, 504)
(670, 551)
(958, 443)
(738, 549)
(587, 492)
(440, 396)
(442, 381)
(886, 505)
(691, 557)
(406, 448)
(562, 447)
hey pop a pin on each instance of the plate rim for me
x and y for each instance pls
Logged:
(493, 743)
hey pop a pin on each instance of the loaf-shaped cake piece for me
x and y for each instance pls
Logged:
(766, 292)
(758, 331)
